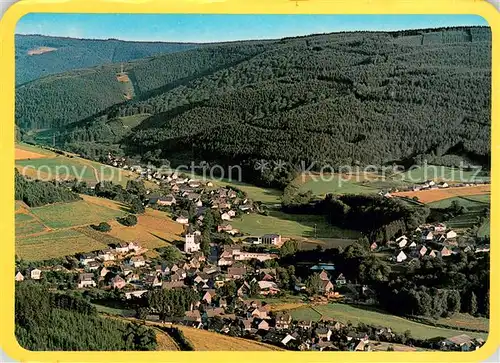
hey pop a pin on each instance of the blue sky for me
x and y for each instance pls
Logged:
(213, 28)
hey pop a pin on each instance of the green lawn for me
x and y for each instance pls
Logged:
(78, 213)
(55, 244)
(333, 184)
(305, 313)
(346, 313)
(264, 195)
(290, 225)
(326, 243)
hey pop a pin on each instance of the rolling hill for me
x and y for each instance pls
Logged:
(337, 99)
(38, 56)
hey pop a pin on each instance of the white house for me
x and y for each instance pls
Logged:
(122, 248)
(137, 293)
(287, 339)
(19, 276)
(137, 261)
(225, 217)
(429, 236)
(192, 243)
(413, 245)
(86, 280)
(35, 274)
(132, 246)
(451, 234)
(106, 255)
(86, 258)
(402, 243)
(440, 227)
(182, 220)
(269, 239)
(401, 257)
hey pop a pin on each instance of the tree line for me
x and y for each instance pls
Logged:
(36, 193)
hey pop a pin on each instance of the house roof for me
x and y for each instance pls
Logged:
(236, 270)
(460, 339)
(86, 276)
(172, 284)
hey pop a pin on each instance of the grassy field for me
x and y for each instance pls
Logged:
(290, 225)
(466, 201)
(60, 167)
(71, 221)
(49, 165)
(335, 184)
(55, 244)
(326, 243)
(165, 341)
(434, 195)
(154, 229)
(264, 195)
(438, 173)
(475, 205)
(26, 223)
(28, 227)
(282, 303)
(465, 321)
(204, 340)
(346, 313)
(305, 313)
(25, 150)
(484, 230)
(78, 213)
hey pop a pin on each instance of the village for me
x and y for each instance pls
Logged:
(235, 274)
(126, 269)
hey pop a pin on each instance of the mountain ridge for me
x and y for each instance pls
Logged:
(323, 98)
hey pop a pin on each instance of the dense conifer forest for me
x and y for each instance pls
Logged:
(36, 193)
(72, 53)
(337, 99)
(56, 321)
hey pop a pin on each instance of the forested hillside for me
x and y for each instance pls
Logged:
(65, 98)
(56, 321)
(64, 54)
(344, 98)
